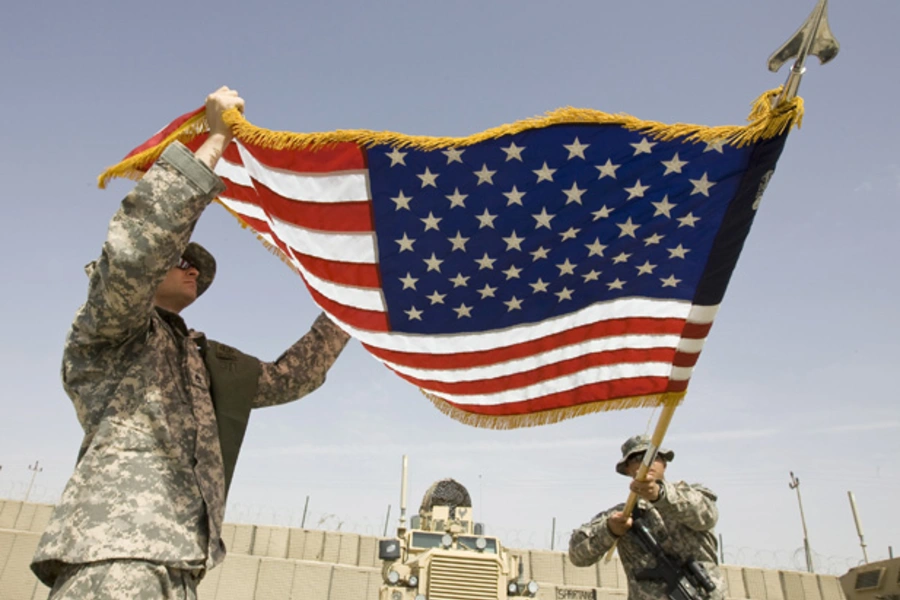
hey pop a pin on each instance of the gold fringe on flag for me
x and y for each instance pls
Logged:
(764, 122)
(555, 415)
(134, 167)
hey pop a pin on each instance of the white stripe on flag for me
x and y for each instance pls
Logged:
(356, 248)
(703, 314)
(539, 360)
(473, 342)
(681, 373)
(355, 297)
(233, 172)
(245, 208)
(691, 346)
(562, 384)
(344, 247)
(349, 186)
(346, 295)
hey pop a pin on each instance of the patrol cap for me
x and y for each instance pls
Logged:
(195, 254)
(637, 444)
(198, 256)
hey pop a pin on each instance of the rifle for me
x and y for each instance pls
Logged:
(684, 581)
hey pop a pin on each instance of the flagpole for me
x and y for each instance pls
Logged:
(662, 425)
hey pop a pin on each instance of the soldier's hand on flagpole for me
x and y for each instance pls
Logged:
(618, 524)
(220, 134)
(648, 490)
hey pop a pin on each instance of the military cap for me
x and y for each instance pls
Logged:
(198, 256)
(637, 444)
(195, 254)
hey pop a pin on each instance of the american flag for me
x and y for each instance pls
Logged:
(519, 280)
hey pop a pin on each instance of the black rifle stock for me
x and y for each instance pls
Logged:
(688, 581)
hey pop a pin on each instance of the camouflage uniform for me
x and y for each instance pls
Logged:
(681, 520)
(149, 482)
(131, 579)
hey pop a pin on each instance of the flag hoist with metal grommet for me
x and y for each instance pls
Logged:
(537, 271)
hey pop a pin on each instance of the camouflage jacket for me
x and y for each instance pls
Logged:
(149, 481)
(682, 521)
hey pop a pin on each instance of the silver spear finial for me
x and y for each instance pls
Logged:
(813, 38)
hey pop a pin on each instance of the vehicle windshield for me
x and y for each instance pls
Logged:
(426, 540)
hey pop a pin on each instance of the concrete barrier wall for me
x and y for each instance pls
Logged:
(271, 563)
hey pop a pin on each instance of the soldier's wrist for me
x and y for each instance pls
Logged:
(662, 491)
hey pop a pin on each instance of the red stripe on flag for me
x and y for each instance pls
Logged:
(342, 217)
(344, 273)
(677, 386)
(355, 317)
(345, 156)
(240, 192)
(263, 227)
(595, 392)
(164, 132)
(696, 331)
(543, 373)
(195, 143)
(686, 359)
(231, 154)
(359, 275)
(461, 360)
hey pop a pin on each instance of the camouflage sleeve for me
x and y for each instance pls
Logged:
(145, 238)
(302, 368)
(691, 505)
(590, 541)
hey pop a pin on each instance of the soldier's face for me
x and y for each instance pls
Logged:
(656, 471)
(178, 290)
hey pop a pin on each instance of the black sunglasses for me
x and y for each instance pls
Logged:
(185, 264)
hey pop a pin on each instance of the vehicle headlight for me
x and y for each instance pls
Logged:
(533, 588)
(481, 543)
(512, 588)
(393, 577)
(446, 540)
(413, 581)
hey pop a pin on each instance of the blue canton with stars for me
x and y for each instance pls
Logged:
(542, 223)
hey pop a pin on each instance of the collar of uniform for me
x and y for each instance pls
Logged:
(174, 320)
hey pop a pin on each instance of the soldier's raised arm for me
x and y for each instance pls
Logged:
(148, 233)
(591, 541)
(302, 368)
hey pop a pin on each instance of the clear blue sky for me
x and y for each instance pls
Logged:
(798, 372)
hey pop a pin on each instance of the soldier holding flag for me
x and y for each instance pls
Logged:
(163, 408)
(680, 516)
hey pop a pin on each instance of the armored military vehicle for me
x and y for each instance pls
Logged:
(445, 555)
(873, 581)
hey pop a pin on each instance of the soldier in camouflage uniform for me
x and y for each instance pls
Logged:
(680, 516)
(163, 409)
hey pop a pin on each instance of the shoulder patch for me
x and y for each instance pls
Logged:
(226, 352)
